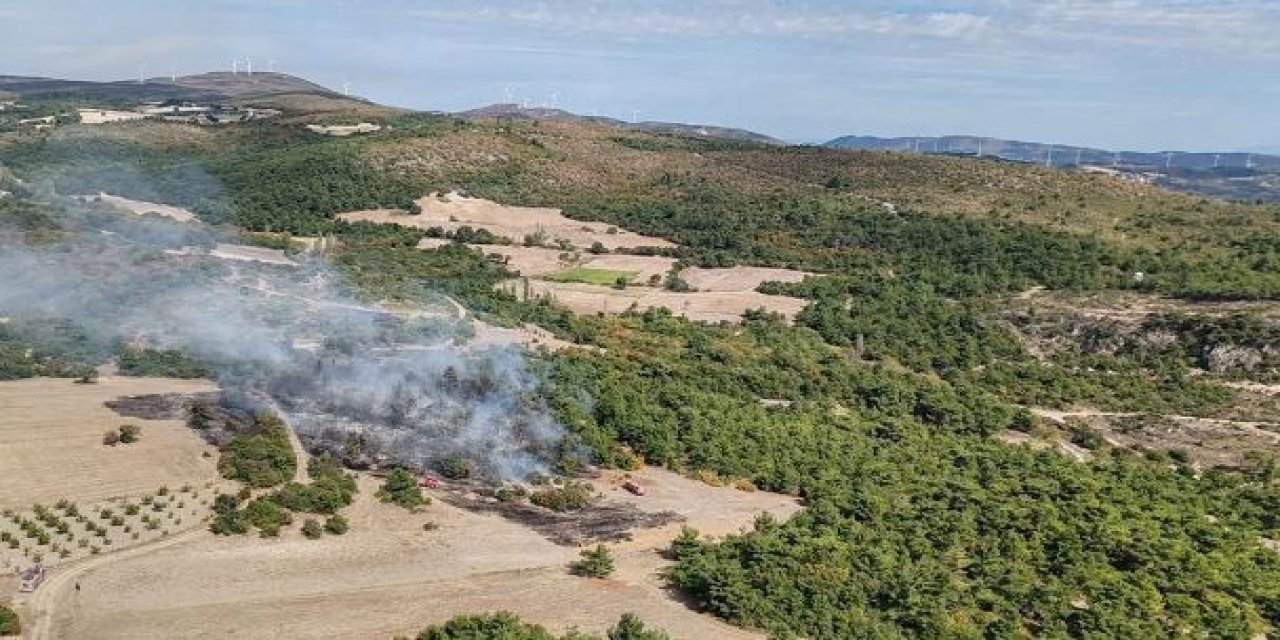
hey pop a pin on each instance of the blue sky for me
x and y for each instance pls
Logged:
(1134, 74)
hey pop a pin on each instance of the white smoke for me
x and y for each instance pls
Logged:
(341, 369)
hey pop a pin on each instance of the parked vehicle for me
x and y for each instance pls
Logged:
(32, 578)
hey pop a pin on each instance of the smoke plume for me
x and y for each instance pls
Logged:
(374, 386)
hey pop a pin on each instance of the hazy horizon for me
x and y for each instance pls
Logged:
(1141, 75)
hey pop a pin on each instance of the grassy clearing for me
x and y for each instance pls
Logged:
(591, 276)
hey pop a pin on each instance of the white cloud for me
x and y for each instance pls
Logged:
(1218, 28)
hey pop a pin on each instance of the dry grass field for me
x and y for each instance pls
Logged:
(51, 442)
(389, 576)
(710, 306)
(450, 211)
(738, 278)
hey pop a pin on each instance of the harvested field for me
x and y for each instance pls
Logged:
(535, 262)
(738, 278)
(388, 576)
(725, 306)
(51, 442)
(107, 116)
(142, 208)
(451, 211)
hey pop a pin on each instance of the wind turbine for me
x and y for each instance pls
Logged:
(508, 96)
(1049, 159)
(979, 147)
(248, 65)
(1248, 163)
(346, 88)
(1217, 160)
(635, 116)
(271, 66)
(235, 66)
(1168, 161)
(1079, 154)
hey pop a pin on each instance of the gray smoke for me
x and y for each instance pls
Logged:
(373, 386)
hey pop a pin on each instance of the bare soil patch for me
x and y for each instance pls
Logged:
(51, 442)
(738, 278)
(1209, 442)
(388, 576)
(726, 306)
(450, 211)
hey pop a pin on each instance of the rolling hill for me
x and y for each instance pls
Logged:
(515, 111)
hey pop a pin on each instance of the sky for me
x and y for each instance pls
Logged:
(1192, 75)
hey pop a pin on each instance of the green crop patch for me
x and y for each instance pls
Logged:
(592, 276)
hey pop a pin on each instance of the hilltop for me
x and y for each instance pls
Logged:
(515, 111)
(213, 86)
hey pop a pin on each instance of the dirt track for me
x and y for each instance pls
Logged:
(388, 576)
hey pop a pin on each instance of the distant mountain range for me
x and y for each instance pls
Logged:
(543, 113)
(1240, 176)
(1061, 155)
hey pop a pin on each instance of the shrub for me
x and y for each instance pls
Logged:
(401, 487)
(311, 529)
(455, 467)
(630, 627)
(130, 433)
(9, 624)
(336, 525)
(111, 438)
(571, 497)
(503, 625)
(262, 460)
(594, 563)
(267, 516)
